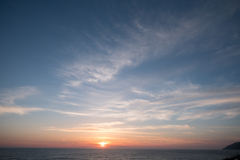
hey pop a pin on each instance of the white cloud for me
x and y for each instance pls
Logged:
(140, 43)
(93, 80)
(111, 127)
(176, 127)
(8, 96)
(210, 114)
(92, 127)
(8, 99)
(69, 113)
(109, 124)
(162, 104)
(18, 110)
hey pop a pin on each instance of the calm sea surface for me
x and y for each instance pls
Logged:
(101, 154)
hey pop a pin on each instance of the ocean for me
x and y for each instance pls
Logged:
(112, 154)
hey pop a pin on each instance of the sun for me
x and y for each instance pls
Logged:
(102, 144)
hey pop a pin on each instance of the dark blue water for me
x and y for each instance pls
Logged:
(118, 154)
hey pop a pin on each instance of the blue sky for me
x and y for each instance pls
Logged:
(148, 74)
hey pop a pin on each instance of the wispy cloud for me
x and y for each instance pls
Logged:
(8, 96)
(70, 113)
(111, 127)
(18, 110)
(141, 104)
(8, 99)
(95, 80)
(210, 114)
(175, 127)
(140, 43)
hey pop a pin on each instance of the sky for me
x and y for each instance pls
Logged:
(119, 74)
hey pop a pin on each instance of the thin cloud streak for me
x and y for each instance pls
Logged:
(161, 106)
(91, 81)
(8, 96)
(18, 110)
(210, 114)
(181, 100)
(109, 127)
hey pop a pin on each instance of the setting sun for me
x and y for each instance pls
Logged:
(102, 144)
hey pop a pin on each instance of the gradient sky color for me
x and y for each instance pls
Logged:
(123, 73)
